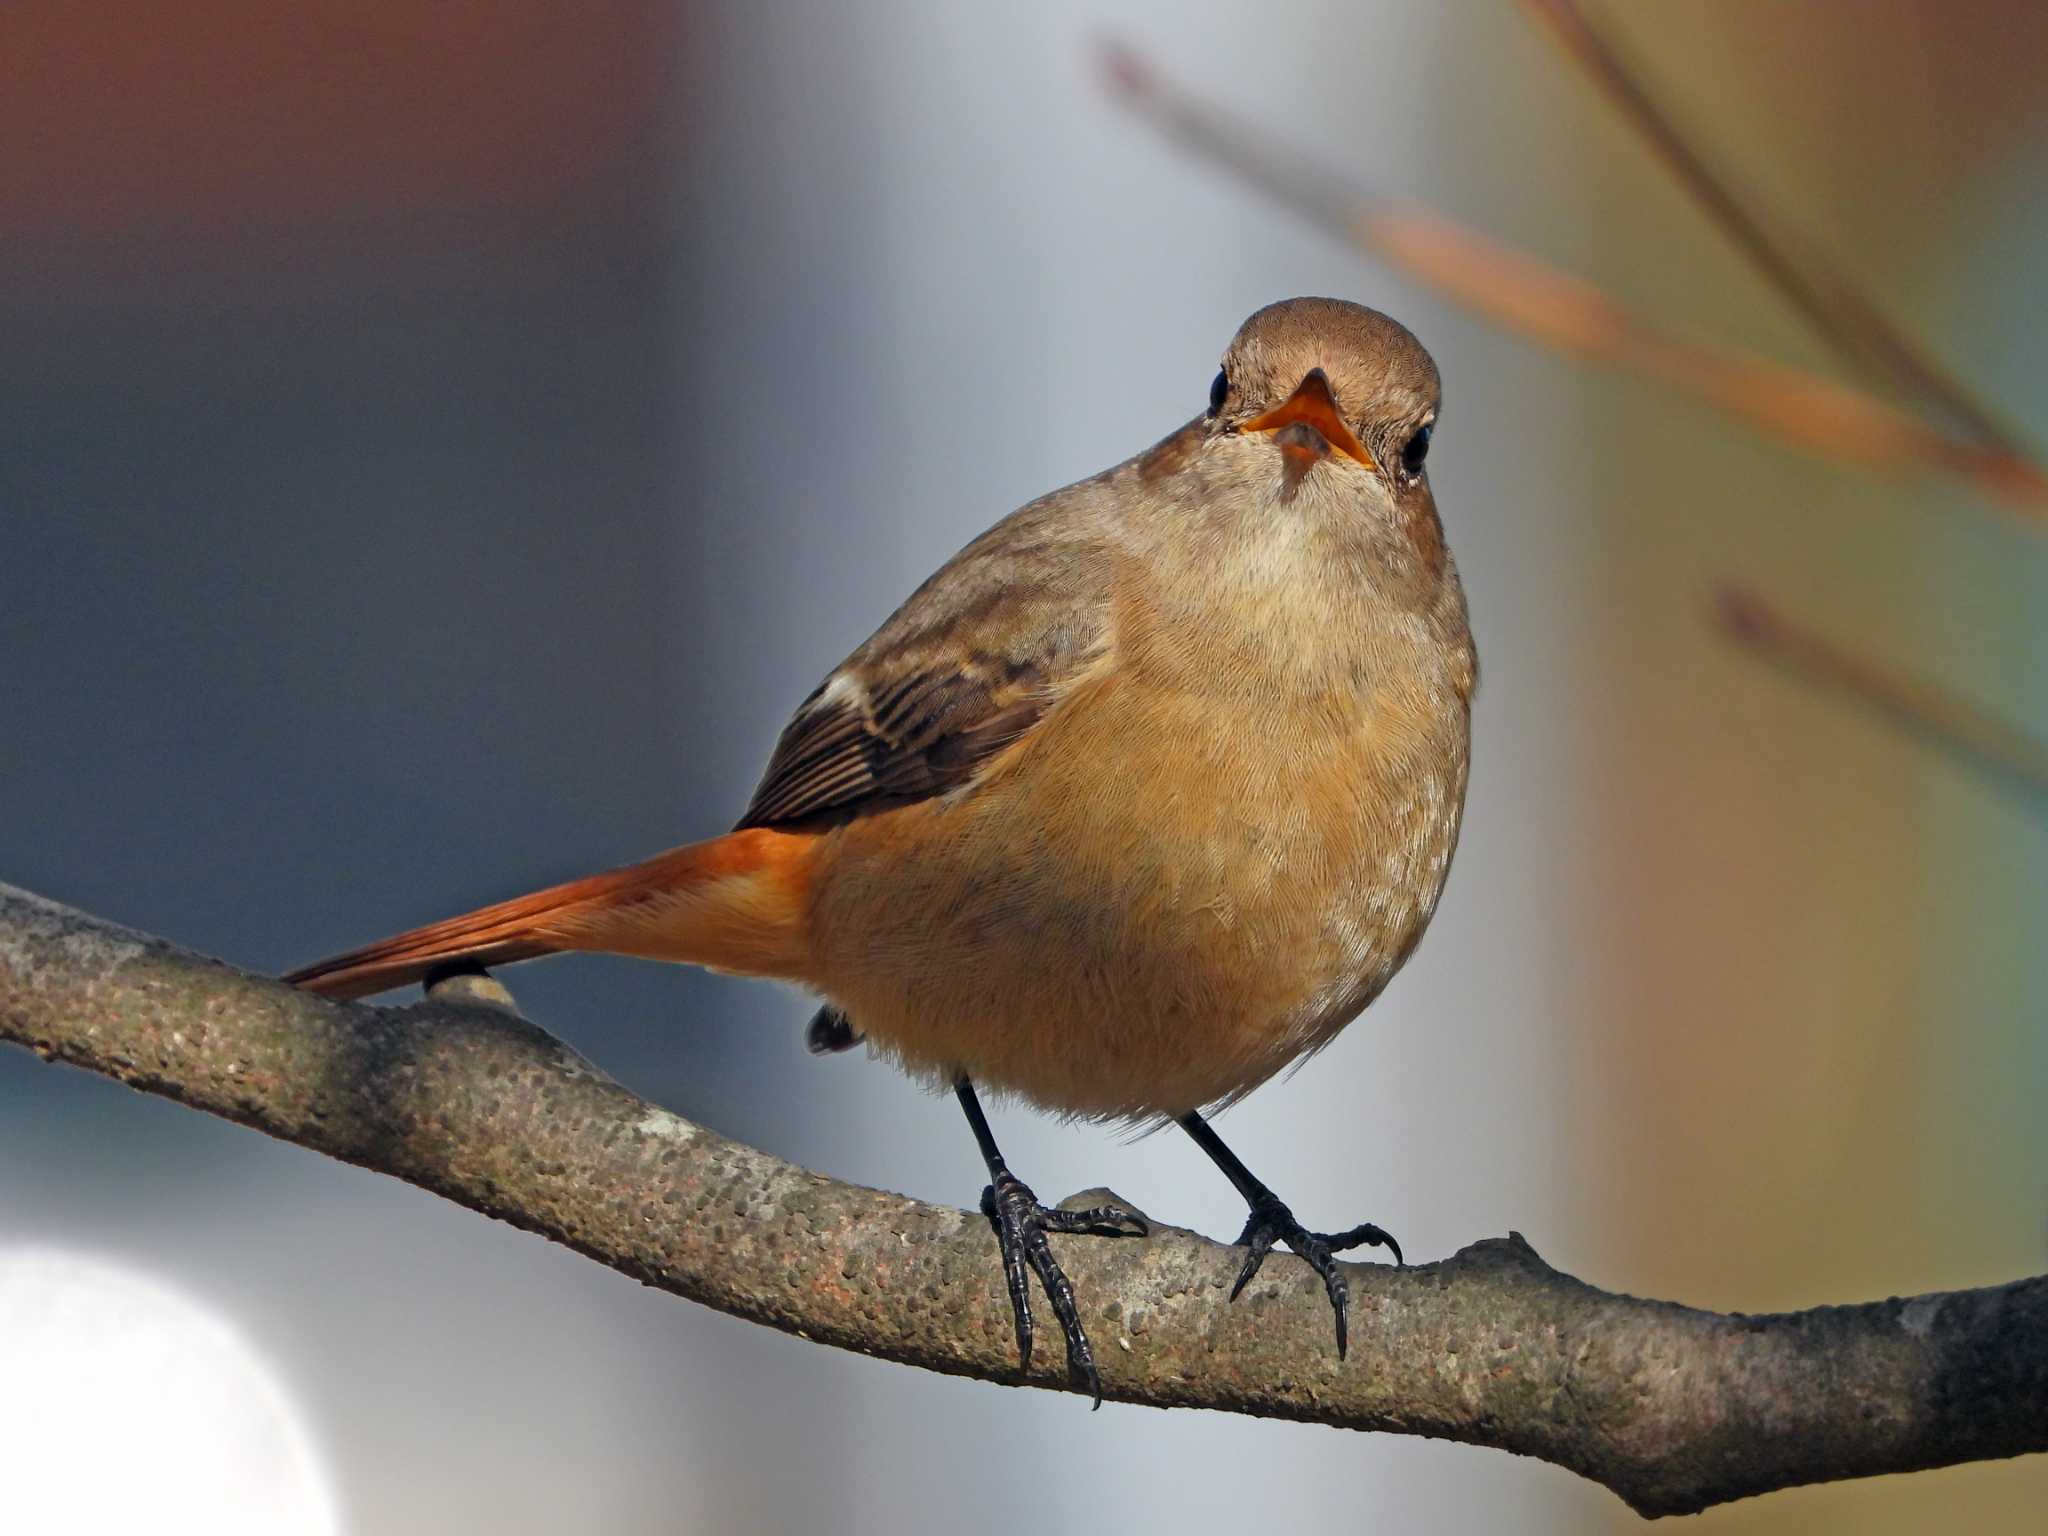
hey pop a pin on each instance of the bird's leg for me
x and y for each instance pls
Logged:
(829, 1031)
(1021, 1224)
(1270, 1222)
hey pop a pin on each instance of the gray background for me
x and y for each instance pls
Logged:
(399, 526)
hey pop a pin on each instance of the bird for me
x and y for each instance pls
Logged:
(1137, 801)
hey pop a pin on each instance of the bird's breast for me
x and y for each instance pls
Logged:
(1160, 896)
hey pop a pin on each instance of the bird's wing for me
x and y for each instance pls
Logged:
(961, 670)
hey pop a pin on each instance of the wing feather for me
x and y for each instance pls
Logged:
(968, 665)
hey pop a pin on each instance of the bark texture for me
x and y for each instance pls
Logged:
(1672, 1408)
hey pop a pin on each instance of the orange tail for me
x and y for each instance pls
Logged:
(735, 903)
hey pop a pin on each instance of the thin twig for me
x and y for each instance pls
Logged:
(1929, 712)
(1531, 297)
(1859, 328)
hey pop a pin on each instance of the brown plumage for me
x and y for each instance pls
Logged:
(1145, 794)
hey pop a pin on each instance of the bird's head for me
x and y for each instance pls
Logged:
(1326, 384)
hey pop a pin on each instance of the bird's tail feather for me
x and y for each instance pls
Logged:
(735, 903)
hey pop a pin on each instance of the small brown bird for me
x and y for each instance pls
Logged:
(1146, 794)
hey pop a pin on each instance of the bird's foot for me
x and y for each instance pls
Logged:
(1271, 1222)
(1021, 1224)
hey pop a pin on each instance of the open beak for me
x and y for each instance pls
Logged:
(1314, 407)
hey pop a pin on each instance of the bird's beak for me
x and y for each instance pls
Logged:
(1312, 405)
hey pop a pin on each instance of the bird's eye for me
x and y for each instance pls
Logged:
(1217, 390)
(1415, 450)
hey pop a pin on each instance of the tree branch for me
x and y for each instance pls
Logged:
(1926, 710)
(1672, 1408)
(1529, 297)
(1854, 323)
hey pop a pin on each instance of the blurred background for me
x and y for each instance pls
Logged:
(440, 442)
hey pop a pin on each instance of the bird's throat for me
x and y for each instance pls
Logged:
(1302, 448)
(1302, 444)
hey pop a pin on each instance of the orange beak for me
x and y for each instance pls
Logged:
(1312, 406)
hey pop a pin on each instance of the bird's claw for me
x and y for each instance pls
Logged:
(1020, 1224)
(1271, 1221)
